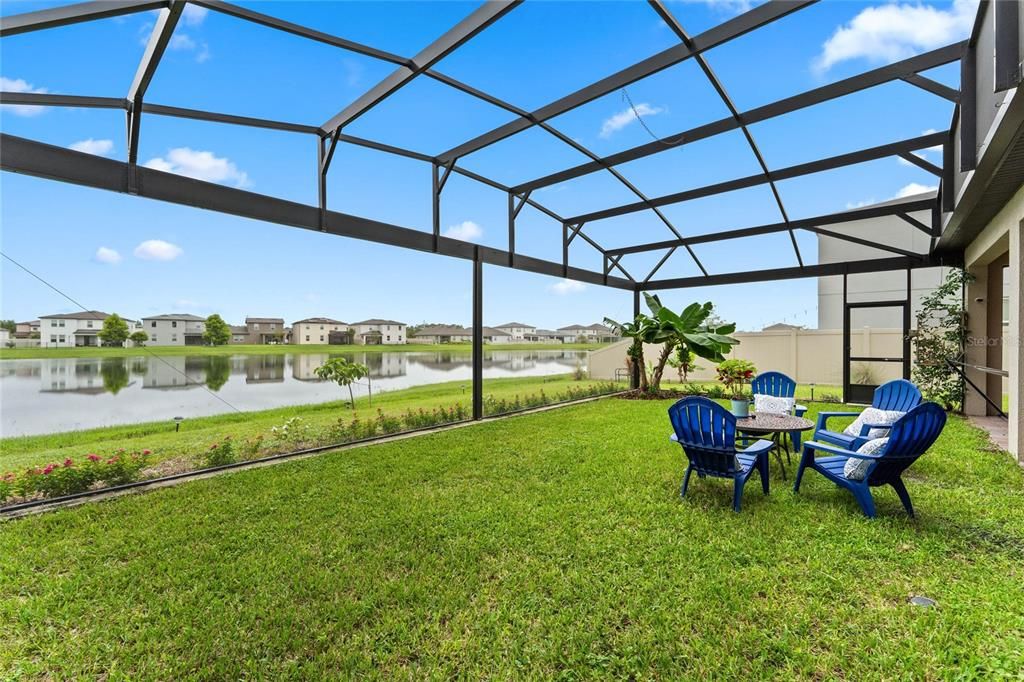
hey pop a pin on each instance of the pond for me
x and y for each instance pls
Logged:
(62, 394)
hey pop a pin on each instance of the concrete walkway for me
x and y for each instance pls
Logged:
(997, 428)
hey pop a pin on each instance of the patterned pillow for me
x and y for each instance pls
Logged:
(856, 469)
(872, 415)
(770, 403)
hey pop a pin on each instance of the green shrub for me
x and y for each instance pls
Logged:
(70, 477)
(219, 454)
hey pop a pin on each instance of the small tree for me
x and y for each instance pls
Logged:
(941, 334)
(139, 338)
(217, 332)
(344, 373)
(683, 361)
(115, 331)
(9, 325)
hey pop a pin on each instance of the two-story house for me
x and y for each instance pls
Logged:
(68, 330)
(26, 330)
(375, 332)
(315, 330)
(590, 333)
(518, 331)
(175, 329)
(264, 330)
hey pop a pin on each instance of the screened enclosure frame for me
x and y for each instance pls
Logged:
(21, 155)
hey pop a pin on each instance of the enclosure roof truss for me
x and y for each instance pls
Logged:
(21, 155)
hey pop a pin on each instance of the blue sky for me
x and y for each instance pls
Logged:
(139, 257)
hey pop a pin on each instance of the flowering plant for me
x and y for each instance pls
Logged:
(70, 477)
(734, 374)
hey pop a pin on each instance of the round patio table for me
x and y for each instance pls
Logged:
(777, 426)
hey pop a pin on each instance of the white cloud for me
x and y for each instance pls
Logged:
(92, 146)
(913, 188)
(107, 255)
(566, 287)
(157, 249)
(894, 31)
(20, 85)
(622, 119)
(181, 41)
(201, 165)
(467, 231)
(193, 15)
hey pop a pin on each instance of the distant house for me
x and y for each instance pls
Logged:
(239, 333)
(495, 335)
(549, 336)
(26, 330)
(591, 333)
(782, 327)
(314, 330)
(443, 334)
(518, 331)
(174, 329)
(375, 332)
(264, 330)
(70, 330)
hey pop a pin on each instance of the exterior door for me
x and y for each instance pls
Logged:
(870, 360)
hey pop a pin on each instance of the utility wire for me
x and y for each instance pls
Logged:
(667, 143)
(144, 349)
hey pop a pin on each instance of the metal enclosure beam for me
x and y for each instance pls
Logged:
(823, 270)
(163, 29)
(969, 109)
(802, 223)
(484, 16)
(47, 100)
(830, 163)
(73, 14)
(885, 74)
(28, 157)
(723, 33)
(478, 336)
(719, 88)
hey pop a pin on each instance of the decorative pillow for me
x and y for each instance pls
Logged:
(856, 469)
(770, 403)
(872, 415)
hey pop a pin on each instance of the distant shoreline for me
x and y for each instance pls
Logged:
(281, 349)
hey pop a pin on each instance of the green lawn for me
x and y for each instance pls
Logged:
(196, 435)
(544, 546)
(280, 349)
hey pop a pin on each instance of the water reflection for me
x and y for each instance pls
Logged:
(44, 396)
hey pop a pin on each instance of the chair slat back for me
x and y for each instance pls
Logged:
(898, 394)
(707, 432)
(774, 384)
(910, 437)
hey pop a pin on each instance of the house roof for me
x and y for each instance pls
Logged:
(510, 325)
(443, 329)
(494, 331)
(33, 322)
(238, 329)
(84, 315)
(585, 327)
(378, 321)
(176, 316)
(317, 320)
(778, 326)
(258, 320)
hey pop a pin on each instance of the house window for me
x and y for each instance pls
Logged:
(256, 325)
(53, 338)
(174, 324)
(53, 323)
(321, 327)
(153, 338)
(63, 338)
(174, 337)
(61, 323)
(389, 337)
(321, 338)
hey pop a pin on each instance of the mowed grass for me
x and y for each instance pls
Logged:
(276, 349)
(552, 545)
(196, 435)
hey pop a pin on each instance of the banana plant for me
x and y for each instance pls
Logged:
(690, 331)
(643, 329)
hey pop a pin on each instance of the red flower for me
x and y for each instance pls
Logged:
(147, 452)
(112, 460)
(48, 469)
(68, 462)
(213, 447)
(92, 458)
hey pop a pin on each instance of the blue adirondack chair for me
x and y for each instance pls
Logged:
(707, 432)
(779, 385)
(899, 394)
(909, 438)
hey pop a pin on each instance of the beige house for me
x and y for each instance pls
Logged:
(518, 331)
(376, 332)
(26, 330)
(320, 330)
(591, 333)
(175, 329)
(239, 333)
(443, 334)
